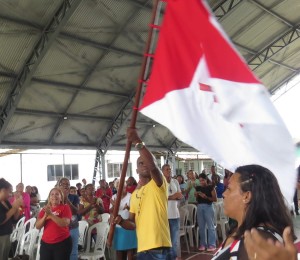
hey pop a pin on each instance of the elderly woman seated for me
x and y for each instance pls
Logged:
(253, 198)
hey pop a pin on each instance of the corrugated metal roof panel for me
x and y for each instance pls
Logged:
(253, 30)
(46, 98)
(5, 89)
(83, 131)
(16, 43)
(117, 73)
(29, 128)
(287, 9)
(134, 35)
(36, 12)
(68, 61)
(95, 104)
(99, 20)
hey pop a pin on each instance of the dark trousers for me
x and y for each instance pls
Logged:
(57, 251)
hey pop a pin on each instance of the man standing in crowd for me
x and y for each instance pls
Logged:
(148, 206)
(174, 195)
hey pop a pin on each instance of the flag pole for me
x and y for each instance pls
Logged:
(141, 82)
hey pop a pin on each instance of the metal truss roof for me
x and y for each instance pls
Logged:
(69, 68)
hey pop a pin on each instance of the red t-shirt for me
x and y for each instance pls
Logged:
(105, 199)
(52, 232)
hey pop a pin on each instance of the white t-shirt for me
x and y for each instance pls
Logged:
(124, 213)
(173, 211)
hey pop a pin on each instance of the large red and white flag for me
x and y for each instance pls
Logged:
(203, 91)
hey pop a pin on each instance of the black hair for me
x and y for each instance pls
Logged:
(4, 184)
(203, 176)
(179, 175)
(267, 205)
(36, 189)
(215, 178)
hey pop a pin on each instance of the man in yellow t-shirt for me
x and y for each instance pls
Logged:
(148, 206)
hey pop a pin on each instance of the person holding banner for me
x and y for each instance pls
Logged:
(148, 206)
(253, 198)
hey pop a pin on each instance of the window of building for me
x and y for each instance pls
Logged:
(186, 167)
(55, 172)
(114, 170)
(192, 166)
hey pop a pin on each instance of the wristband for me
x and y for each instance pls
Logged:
(139, 146)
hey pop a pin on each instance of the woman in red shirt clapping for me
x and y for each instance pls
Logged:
(56, 243)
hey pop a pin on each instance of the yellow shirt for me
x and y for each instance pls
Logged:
(149, 204)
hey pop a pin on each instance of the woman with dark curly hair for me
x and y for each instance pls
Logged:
(253, 198)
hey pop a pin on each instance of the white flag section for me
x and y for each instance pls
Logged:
(203, 91)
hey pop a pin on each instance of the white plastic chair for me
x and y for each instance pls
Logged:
(28, 225)
(17, 232)
(292, 208)
(192, 218)
(98, 251)
(28, 242)
(105, 217)
(38, 246)
(21, 222)
(83, 227)
(184, 214)
(221, 219)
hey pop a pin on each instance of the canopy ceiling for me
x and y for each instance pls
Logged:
(69, 69)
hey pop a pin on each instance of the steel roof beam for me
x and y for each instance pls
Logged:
(225, 7)
(78, 88)
(72, 116)
(276, 46)
(174, 146)
(52, 83)
(89, 74)
(69, 36)
(123, 115)
(292, 34)
(99, 45)
(106, 140)
(284, 81)
(48, 36)
(60, 115)
(41, 145)
(270, 60)
(277, 16)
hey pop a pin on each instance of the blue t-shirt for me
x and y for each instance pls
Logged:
(74, 199)
(220, 190)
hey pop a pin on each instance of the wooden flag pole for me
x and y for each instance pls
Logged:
(142, 77)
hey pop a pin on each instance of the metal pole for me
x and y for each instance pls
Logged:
(142, 77)
(21, 167)
(103, 171)
(63, 166)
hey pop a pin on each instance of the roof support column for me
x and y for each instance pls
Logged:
(99, 168)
